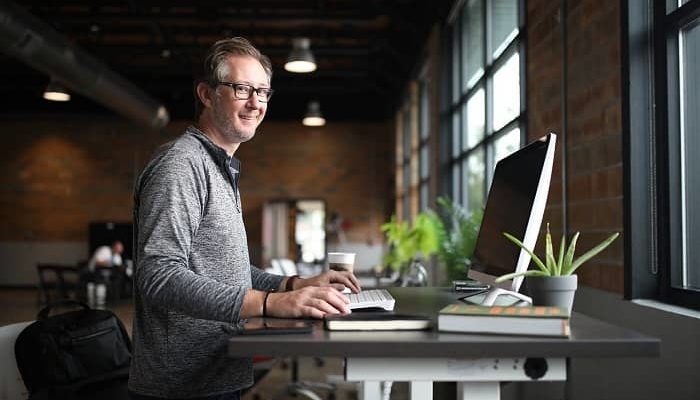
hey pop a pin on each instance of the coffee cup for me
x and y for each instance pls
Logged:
(341, 261)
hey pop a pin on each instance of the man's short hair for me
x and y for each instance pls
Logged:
(214, 67)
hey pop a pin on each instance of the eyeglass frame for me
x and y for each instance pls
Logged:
(233, 85)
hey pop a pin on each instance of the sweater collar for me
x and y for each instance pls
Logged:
(217, 152)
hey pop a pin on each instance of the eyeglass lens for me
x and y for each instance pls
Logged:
(244, 92)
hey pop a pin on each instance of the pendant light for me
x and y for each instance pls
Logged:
(313, 115)
(56, 92)
(301, 59)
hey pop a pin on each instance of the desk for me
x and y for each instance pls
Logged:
(478, 363)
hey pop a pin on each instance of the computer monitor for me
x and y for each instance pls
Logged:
(515, 204)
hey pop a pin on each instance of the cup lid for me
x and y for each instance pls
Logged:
(341, 258)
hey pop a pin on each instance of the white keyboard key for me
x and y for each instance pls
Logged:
(373, 298)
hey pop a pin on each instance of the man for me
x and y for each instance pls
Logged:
(108, 258)
(193, 273)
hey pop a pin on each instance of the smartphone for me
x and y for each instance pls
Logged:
(268, 326)
(469, 285)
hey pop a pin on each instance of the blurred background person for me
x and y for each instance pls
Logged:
(104, 267)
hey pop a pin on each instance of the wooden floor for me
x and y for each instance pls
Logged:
(17, 305)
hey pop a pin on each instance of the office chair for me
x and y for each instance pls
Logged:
(12, 384)
(58, 282)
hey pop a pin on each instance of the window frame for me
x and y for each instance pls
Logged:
(423, 141)
(455, 153)
(405, 162)
(413, 138)
(649, 62)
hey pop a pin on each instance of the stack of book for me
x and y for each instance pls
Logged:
(532, 321)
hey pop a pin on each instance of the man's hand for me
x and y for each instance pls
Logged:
(337, 279)
(310, 301)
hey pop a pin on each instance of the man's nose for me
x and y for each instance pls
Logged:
(253, 101)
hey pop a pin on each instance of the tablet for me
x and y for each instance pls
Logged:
(269, 326)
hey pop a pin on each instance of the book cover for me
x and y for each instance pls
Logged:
(374, 321)
(534, 320)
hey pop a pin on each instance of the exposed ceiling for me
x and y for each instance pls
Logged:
(365, 50)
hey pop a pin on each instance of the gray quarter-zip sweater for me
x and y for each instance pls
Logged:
(192, 271)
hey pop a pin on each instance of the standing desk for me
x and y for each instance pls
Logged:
(478, 363)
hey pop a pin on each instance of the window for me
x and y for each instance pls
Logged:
(424, 131)
(662, 224)
(486, 96)
(403, 162)
(413, 151)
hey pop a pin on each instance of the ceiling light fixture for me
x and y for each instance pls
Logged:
(56, 92)
(313, 115)
(300, 60)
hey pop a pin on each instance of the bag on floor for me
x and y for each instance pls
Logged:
(60, 355)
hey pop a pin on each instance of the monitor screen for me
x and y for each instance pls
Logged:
(510, 207)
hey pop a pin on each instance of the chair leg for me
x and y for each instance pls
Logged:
(305, 389)
(307, 393)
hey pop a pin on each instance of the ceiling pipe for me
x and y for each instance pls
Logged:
(25, 37)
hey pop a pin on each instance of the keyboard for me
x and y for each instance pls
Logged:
(373, 298)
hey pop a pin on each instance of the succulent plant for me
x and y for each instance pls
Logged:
(564, 264)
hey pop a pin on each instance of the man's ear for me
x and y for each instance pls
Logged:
(205, 92)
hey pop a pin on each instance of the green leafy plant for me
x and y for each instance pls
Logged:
(458, 231)
(564, 264)
(450, 234)
(409, 243)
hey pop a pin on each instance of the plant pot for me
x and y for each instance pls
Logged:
(414, 275)
(553, 290)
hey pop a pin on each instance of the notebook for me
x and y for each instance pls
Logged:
(376, 321)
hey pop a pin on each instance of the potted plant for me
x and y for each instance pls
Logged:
(450, 234)
(457, 235)
(554, 283)
(408, 245)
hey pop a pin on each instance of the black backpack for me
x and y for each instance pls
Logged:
(73, 355)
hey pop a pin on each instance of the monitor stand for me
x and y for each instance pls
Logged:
(498, 297)
(492, 295)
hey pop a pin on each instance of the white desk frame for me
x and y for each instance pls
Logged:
(478, 363)
(477, 379)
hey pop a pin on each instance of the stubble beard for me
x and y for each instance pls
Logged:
(230, 132)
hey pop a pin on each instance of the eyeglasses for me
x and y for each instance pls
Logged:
(243, 92)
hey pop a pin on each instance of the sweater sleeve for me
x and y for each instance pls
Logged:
(170, 199)
(263, 280)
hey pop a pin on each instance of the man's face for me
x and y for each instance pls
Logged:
(237, 119)
(117, 248)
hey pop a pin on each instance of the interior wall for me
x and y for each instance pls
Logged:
(673, 375)
(59, 174)
(578, 75)
(347, 165)
(583, 68)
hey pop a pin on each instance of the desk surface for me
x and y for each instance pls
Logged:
(589, 338)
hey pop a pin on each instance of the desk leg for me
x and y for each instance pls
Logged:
(421, 390)
(478, 390)
(370, 390)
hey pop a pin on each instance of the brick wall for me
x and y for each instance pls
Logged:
(59, 174)
(594, 128)
(347, 165)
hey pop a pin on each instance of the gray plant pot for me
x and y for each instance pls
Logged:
(553, 290)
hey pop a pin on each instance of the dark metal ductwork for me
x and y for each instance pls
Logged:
(32, 41)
